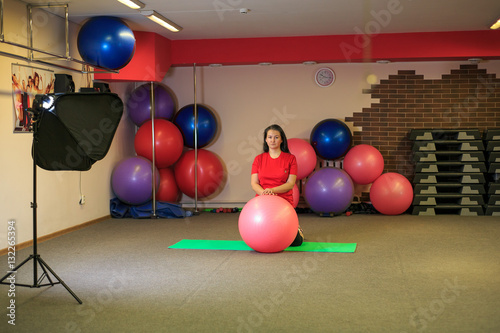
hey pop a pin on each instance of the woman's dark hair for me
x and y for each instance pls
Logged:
(284, 142)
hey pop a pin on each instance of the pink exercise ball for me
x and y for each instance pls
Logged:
(268, 223)
(168, 190)
(364, 163)
(305, 155)
(168, 142)
(391, 194)
(295, 195)
(210, 173)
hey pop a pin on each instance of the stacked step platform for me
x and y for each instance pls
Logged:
(492, 154)
(449, 172)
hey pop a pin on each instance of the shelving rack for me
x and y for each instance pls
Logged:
(492, 146)
(449, 172)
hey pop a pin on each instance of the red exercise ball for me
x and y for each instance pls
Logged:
(296, 195)
(168, 190)
(268, 223)
(305, 155)
(168, 142)
(210, 173)
(364, 163)
(391, 194)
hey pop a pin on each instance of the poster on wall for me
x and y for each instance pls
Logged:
(27, 82)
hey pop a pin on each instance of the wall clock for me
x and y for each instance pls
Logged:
(324, 77)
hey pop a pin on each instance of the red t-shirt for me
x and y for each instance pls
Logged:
(275, 171)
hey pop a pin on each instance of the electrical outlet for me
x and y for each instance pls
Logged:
(82, 200)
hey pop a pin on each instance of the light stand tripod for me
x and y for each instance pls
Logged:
(37, 259)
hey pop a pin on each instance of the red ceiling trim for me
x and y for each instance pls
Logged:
(423, 46)
(155, 54)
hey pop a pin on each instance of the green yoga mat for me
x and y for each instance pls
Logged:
(234, 245)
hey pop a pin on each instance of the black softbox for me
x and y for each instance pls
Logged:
(74, 130)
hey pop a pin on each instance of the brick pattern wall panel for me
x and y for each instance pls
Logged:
(467, 97)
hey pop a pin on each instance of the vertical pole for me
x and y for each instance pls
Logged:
(66, 28)
(195, 109)
(153, 167)
(30, 33)
(1, 20)
(34, 203)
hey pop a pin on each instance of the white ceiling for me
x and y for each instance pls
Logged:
(207, 19)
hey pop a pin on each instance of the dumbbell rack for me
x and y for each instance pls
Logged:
(492, 144)
(449, 172)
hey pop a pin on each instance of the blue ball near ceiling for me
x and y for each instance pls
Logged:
(106, 41)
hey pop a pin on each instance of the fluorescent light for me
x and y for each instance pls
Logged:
(134, 4)
(161, 20)
(496, 25)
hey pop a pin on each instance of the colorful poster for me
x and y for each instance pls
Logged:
(27, 82)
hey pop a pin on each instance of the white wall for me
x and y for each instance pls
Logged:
(58, 191)
(249, 98)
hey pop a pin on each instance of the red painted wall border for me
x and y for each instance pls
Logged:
(424, 46)
(156, 54)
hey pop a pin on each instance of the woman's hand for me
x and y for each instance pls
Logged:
(268, 191)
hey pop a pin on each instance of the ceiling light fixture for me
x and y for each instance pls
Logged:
(161, 20)
(496, 25)
(134, 4)
(475, 60)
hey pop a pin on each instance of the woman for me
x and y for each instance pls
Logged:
(275, 170)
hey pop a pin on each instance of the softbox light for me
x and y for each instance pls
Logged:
(74, 130)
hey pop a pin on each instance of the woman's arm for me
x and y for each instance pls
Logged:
(283, 188)
(254, 181)
(274, 190)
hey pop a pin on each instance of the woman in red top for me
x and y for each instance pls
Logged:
(274, 172)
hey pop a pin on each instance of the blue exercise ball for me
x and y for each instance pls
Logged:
(139, 103)
(107, 42)
(331, 139)
(206, 125)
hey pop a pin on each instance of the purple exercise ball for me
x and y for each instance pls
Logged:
(131, 180)
(139, 103)
(329, 190)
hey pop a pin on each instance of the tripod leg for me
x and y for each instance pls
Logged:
(15, 269)
(44, 275)
(44, 264)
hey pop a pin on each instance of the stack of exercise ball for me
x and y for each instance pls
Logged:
(174, 153)
(168, 147)
(390, 193)
(329, 190)
(205, 164)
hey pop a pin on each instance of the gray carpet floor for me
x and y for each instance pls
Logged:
(408, 274)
